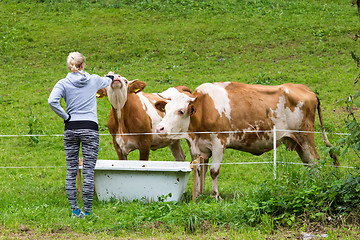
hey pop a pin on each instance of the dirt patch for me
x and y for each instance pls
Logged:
(24, 232)
(318, 230)
(41, 236)
(314, 230)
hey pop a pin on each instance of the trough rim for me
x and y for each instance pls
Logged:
(144, 166)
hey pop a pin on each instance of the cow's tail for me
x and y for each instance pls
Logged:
(326, 140)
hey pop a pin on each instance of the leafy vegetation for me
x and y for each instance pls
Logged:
(168, 43)
(322, 197)
(352, 141)
(352, 104)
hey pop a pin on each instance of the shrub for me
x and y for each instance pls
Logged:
(314, 193)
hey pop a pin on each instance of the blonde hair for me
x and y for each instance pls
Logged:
(74, 61)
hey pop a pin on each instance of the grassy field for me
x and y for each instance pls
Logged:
(169, 43)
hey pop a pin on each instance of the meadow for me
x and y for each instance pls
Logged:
(169, 43)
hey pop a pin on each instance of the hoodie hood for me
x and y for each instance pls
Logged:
(77, 79)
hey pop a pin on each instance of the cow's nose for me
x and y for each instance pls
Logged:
(116, 84)
(160, 129)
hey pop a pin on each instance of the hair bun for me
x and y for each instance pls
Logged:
(74, 61)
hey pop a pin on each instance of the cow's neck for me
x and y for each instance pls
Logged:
(117, 98)
(117, 113)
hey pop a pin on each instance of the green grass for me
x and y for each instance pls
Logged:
(164, 44)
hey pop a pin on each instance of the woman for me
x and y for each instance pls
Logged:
(78, 90)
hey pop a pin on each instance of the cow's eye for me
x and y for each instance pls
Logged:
(181, 112)
(125, 81)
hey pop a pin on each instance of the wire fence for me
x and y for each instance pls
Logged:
(181, 133)
(273, 131)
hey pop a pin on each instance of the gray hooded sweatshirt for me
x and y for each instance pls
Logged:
(79, 93)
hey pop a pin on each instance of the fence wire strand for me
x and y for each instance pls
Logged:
(180, 133)
(274, 131)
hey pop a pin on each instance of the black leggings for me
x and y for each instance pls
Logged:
(89, 140)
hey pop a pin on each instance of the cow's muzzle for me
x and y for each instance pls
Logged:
(160, 129)
(116, 84)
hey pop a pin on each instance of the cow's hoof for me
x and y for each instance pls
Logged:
(216, 196)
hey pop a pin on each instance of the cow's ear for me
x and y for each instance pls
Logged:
(136, 86)
(160, 105)
(191, 108)
(101, 93)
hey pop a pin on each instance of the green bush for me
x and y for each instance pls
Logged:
(314, 193)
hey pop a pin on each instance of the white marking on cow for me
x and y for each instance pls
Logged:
(169, 93)
(150, 110)
(125, 149)
(264, 143)
(287, 91)
(117, 97)
(200, 145)
(217, 157)
(219, 96)
(285, 118)
(217, 149)
(264, 139)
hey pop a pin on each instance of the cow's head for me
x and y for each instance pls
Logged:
(177, 115)
(119, 88)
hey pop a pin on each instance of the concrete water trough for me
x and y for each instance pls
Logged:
(141, 180)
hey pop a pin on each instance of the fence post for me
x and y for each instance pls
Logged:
(274, 152)
(202, 174)
(194, 165)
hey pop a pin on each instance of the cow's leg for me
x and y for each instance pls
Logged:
(118, 150)
(307, 153)
(144, 154)
(217, 157)
(195, 153)
(144, 147)
(305, 147)
(177, 151)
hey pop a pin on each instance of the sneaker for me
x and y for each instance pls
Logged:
(91, 215)
(77, 213)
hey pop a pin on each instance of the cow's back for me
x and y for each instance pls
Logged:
(242, 105)
(255, 109)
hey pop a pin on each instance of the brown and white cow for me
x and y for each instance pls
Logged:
(247, 114)
(133, 119)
